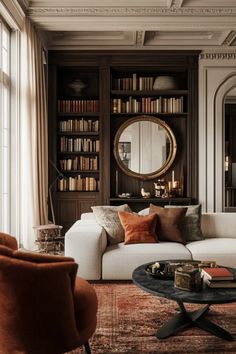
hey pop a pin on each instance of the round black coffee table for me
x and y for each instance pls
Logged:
(165, 288)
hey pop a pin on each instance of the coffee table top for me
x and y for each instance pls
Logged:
(165, 288)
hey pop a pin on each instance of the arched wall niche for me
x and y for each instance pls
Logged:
(219, 102)
(217, 76)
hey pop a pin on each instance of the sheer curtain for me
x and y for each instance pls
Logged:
(33, 137)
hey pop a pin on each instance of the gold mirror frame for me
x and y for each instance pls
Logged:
(165, 166)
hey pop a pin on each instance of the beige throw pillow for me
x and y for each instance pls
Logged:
(107, 216)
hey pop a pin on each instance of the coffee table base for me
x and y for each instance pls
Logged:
(186, 318)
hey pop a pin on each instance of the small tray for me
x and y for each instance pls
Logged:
(161, 274)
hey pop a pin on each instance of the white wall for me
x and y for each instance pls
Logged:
(217, 76)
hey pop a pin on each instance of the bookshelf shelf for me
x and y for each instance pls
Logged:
(78, 114)
(149, 93)
(158, 114)
(68, 133)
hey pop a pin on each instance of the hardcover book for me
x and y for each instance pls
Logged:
(221, 283)
(219, 273)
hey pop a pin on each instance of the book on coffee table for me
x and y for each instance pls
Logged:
(221, 283)
(217, 274)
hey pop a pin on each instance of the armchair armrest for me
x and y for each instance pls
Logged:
(86, 242)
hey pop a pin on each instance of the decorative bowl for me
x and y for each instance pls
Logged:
(164, 83)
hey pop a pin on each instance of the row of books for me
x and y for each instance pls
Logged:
(219, 277)
(80, 163)
(79, 144)
(79, 125)
(78, 183)
(134, 83)
(78, 106)
(148, 105)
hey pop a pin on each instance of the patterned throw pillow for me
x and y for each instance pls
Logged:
(192, 222)
(138, 229)
(169, 223)
(107, 217)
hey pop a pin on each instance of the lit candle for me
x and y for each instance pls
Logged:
(173, 177)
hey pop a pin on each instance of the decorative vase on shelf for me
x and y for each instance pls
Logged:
(164, 83)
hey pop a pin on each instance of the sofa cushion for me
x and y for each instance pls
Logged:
(191, 226)
(221, 250)
(107, 217)
(119, 261)
(218, 225)
(144, 211)
(169, 223)
(138, 229)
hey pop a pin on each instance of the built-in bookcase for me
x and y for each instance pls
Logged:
(78, 129)
(91, 94)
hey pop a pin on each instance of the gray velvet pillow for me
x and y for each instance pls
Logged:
(107, 217)
(191, 222)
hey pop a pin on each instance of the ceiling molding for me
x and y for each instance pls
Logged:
(12, 13)
(176, 3)
(229, 39)
(218, 56)
(140, 37)
(24, 4)
(130, 11)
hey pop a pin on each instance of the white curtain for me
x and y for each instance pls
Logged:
(33, 138)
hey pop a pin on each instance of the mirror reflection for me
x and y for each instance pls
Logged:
(145, 147)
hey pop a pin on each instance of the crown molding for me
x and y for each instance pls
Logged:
(175, 3)
(12, 13)
(140, 37)
(24, 4)
(218, 56)
(130, 11)
(229, 39)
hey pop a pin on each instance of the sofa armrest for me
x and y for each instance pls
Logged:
(86, 242)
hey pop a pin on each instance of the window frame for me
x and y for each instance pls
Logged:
(5, 125)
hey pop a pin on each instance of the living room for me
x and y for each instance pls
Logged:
(75, 80)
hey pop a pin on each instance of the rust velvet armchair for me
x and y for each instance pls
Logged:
(45, 308)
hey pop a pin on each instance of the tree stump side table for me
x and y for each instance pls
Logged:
(49, 239)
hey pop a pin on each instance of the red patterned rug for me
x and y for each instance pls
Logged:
(128, 318)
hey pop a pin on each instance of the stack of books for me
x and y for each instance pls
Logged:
(219, 277)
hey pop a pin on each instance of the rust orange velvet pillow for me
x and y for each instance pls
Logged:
(138, 229)
(169, 223)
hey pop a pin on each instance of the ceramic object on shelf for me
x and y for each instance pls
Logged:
(164, 83)
(77, 86)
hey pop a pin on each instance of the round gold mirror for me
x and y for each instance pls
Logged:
(144, 147)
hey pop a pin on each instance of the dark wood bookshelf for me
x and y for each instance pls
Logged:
(98, 69)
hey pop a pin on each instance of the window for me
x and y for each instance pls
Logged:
(4, 128)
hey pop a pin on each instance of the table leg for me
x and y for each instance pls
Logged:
(186, 318)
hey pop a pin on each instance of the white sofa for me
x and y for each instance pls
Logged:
(86, 242)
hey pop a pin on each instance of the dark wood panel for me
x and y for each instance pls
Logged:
(70, 206)
(137, 204)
